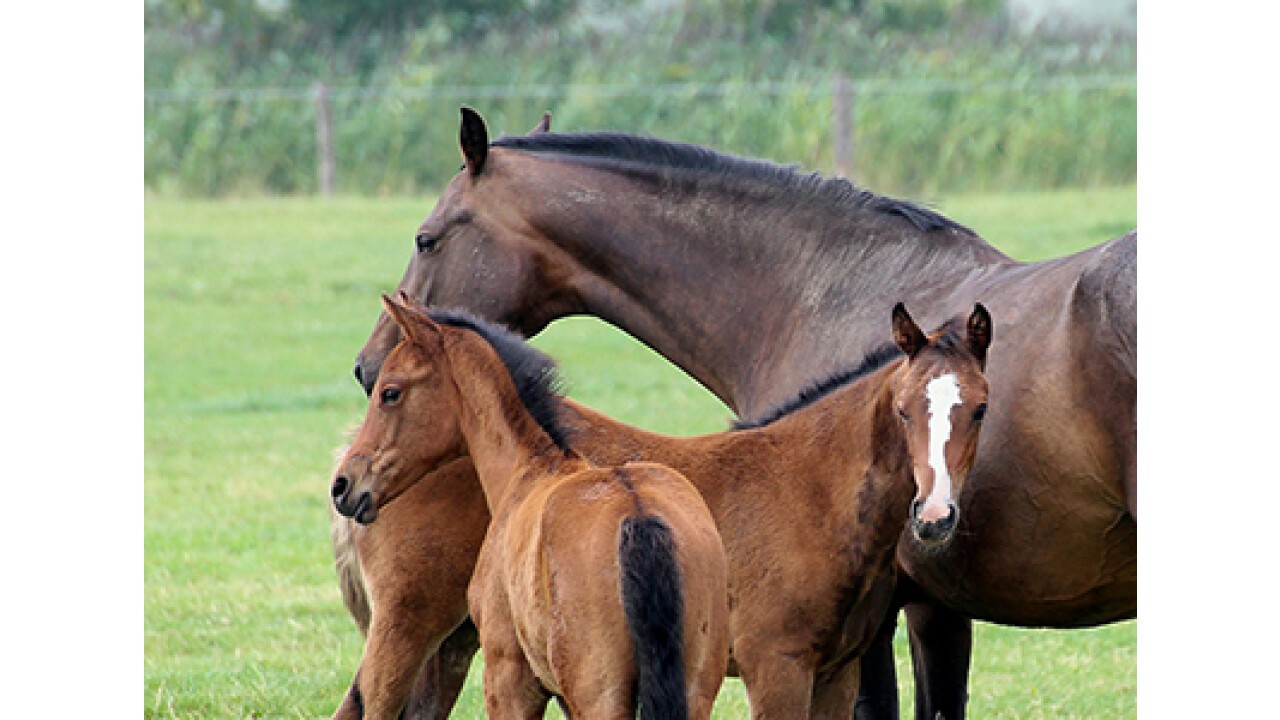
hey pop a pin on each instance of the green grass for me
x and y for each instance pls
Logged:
(254, 312)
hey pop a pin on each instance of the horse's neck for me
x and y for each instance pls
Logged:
(855, 429)
(753, 302)
(505, 443)
(890, 482)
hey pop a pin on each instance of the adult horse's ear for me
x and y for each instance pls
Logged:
(906, 333)
(544, 125)
(473, 138)
(978, 332)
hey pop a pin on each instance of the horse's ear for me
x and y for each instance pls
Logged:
(473, 138)
(413, 323)
(544, 125)
(978, 332)
(905, 331)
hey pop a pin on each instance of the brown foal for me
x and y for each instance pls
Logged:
(602, 586)
(810, 502)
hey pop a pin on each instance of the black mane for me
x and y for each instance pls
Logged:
(633, 152)
(873, 361)
(948, 339)
(535, 375)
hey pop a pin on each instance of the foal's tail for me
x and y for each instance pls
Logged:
(654, 606)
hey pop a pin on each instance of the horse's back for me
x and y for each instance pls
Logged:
(1108, 289)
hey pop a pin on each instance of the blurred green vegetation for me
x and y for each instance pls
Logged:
(947, 98)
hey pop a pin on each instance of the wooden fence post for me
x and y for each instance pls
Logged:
(324, 140)
(843, 101)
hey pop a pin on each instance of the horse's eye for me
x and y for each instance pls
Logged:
(980, 412)
(390, 395)
(427, 242)
(903, 415)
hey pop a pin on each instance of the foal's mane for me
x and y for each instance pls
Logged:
(535, 375)
(948, 339)
(873, 361)
(632, 153)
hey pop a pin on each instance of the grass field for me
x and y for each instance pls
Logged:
(254, 312)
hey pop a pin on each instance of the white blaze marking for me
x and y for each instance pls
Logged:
(943, 393)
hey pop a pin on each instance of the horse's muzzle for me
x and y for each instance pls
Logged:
(936, 532)
(357, 506)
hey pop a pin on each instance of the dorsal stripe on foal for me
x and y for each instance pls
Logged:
(535, 375)
(873, 361)
(786, 184)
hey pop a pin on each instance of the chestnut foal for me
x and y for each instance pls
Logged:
(602, 586)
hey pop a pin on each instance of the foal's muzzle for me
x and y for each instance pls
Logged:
(936, 532)
(358, 506)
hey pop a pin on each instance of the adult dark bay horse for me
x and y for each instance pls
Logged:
(756, 280)
(600, 585)
(810, 500)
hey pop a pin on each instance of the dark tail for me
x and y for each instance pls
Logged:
(654, 606)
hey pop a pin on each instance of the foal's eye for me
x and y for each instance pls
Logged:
(980, 413)
(427, 242)
(390, 395)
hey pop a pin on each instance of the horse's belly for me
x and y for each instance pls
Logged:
(1026, 556)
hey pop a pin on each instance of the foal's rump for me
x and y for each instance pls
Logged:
(659, 563)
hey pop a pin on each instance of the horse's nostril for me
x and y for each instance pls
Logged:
(945, 524)
(340, 485)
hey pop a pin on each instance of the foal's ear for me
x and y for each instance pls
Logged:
(473, 138)
(905, 331)
(978, 332)
(413, 322)
(544, 125)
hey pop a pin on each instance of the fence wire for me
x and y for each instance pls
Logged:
(661, 90)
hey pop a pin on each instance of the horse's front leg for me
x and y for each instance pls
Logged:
(393, 655)
(941, 643)
(442, 677)
(778, 676)
(878, 688)
(835, 692)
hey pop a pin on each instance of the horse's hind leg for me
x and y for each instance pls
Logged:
(941, 643)
(511, 690)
